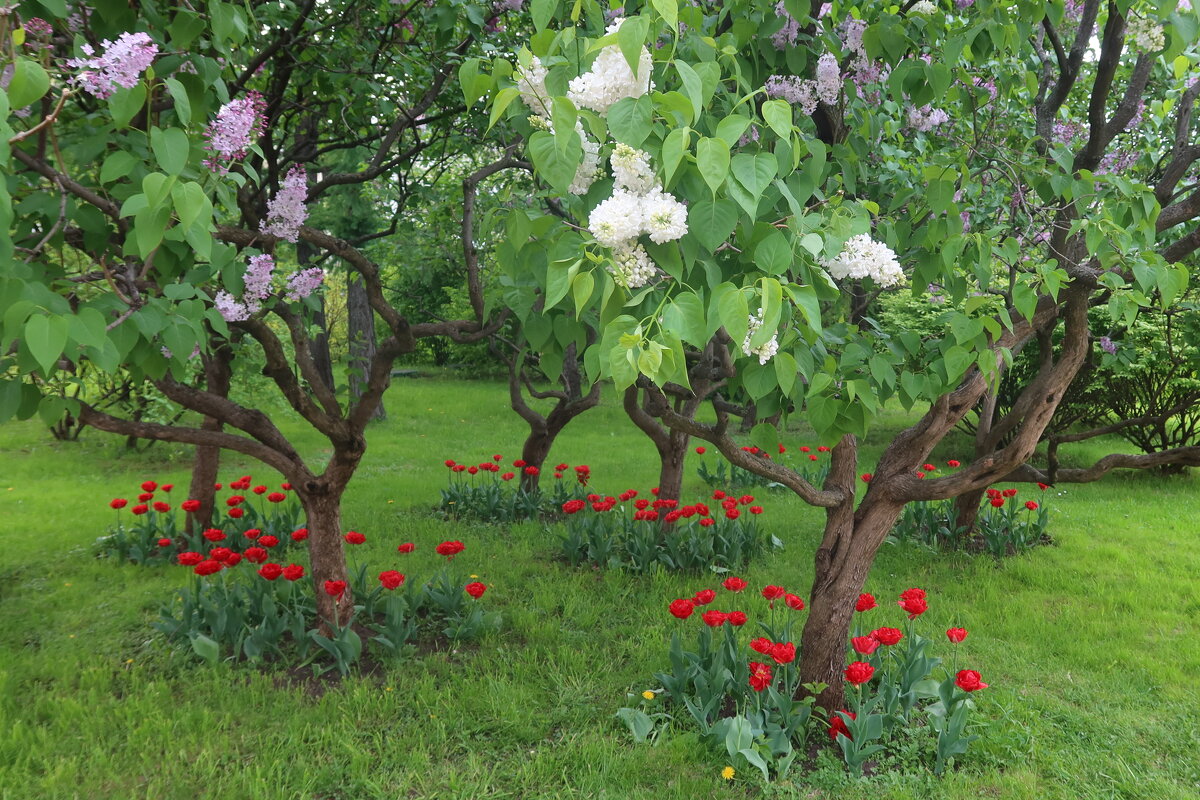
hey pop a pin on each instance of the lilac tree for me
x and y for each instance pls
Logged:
(161, 164)
(737, 182)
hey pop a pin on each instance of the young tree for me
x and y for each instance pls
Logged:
(160, 160)
(760, 171)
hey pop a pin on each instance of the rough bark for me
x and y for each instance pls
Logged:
(217, 375)
(323, 509)
(361, 326)
(305, 255)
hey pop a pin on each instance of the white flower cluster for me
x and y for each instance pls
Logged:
(1146, 34)
(589, 168)
(633, 268)
(923, 7)
(862, 257)
(610, 78)
(765, 351)
(638, 205)
(631, 169)
(531, 83)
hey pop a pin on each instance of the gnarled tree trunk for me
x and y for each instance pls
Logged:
(217, 375)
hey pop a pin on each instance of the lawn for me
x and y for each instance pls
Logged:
(1089, 646)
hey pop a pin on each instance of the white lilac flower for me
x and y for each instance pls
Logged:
(767, 350)
(631, 170)
(632, 267)
(617, 221)
(303, 283)
(531, 83)
(664, 219)
(286, 211)
(923, 7)
(589, 168)
(122, 64)
(610, 78)
(862, 257)
(1145, 33)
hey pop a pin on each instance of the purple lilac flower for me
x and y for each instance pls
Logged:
(122, 64)
(303, 283)
(789, 33)
(257, 279)
(1107, 345)
(238, 124)
(230, 308)
(286, 211)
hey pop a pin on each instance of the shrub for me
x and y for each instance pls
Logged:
(641, 535)
(739, 689)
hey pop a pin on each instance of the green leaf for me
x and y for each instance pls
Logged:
(629, 120)
(668, 10)
(581, 289)
(170, 149)
(639, 724)
(778, 115)
(191, 204)
(674, 146)
(28, 84)
(541, 12)
(555, 167)
(45, 338)
(786, 370)
(805, 298)
(503, 99)
(693, 87)
(712, 159)
(755, 172)
(631, 38)
(183, 103)
(732, 127)
(711, 221)
(684, 315)
(734, 313)
(206, 648)
(125, 103)
(118, 165)
(558, 282)
(564, 115)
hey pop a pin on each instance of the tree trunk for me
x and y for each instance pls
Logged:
(534, 452)
(673, 453)
(217, 375)
(966, 511)
(361, 326)
(320, 342)
(842, 562)
(326, 553)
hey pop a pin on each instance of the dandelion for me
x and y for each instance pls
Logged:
(728, 773)
(649, 695)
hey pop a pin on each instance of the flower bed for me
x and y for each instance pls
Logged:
(249, 516)
(641, 534)
(492, 493)
(1006, 525)
(739, 682)
(811, 463)
(244, 606)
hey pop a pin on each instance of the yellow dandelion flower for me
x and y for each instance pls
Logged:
(649, 695)
(728, 773)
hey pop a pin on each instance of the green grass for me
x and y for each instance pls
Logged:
(1090, 646)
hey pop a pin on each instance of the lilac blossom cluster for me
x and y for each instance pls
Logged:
(260, 272)
(121, 65)
(863, 257)
(610, 79)
(286, 211)
(237, 125)
(789, 34)
(805, 92)
(926, 118)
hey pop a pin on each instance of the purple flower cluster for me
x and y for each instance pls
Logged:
(238, 124)
(122, 64)
(303, 283)
(286, 211)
